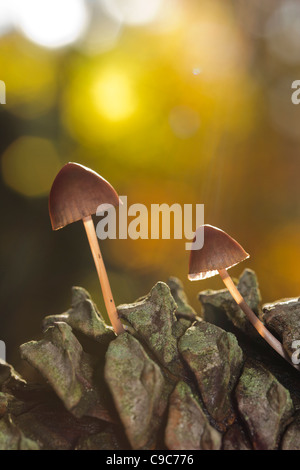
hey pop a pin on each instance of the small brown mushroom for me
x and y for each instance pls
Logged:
(75, 195)
(219, 253)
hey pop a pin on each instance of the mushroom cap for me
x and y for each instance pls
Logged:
(219, 251)
(76, 193)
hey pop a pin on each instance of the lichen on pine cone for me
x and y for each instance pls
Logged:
(173, 380)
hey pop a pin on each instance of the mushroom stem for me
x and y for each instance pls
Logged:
(104, 282)
(258, 325)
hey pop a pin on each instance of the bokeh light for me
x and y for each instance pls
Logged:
(113, 95)
(51, 23)
(102, 33)
(132, 12)
(99, 102)
(6, 22)
(283, 32)
(213, 43)
(29, 166)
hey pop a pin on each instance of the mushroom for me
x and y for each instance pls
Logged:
(219, 253)
(75, 195)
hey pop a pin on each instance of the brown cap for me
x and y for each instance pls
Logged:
(76, 193)
(219, 251)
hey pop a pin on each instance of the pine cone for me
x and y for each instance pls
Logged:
(173, 380)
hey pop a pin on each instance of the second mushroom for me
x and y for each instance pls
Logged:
(219, 253)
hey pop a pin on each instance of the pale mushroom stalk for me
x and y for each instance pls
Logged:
(76, 194)
(102, 275)
(258, 325)
(219, 253)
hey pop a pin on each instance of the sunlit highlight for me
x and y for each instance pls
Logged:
(113, 95)
(51, 23)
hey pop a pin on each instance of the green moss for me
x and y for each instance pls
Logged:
(153, 320)
(215, 358)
